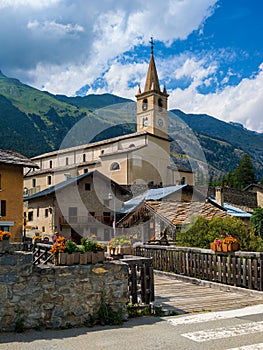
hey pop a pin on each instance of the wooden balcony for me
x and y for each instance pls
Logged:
(85, 220)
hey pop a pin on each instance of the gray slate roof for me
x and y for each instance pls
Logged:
(15, 158)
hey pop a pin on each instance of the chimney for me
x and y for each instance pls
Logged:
(220, 196)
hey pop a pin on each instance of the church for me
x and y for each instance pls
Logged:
(139, 158)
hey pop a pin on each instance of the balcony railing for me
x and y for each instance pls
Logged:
(85, 220)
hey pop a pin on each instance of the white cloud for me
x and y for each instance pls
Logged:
(38, 4)
(241, 103)
(54, 27)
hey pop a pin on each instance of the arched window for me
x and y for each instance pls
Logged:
(145, 104)
(132, 145)
(115, 166)
(160, 104)
(183, 180)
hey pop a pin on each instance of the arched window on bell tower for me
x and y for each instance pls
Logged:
(160, 105)
(145, 104)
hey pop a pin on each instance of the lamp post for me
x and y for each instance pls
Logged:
(114, 212)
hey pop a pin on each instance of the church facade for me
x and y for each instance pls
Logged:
(140, 158)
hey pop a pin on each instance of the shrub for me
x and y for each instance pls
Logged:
(204, 231)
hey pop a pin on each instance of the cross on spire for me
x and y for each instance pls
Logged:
(152, 44)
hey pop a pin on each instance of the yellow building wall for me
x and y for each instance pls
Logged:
(12, 192)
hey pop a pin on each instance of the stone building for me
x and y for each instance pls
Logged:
(77, 207)
(11, 192)
(257, 190)
(139, 158)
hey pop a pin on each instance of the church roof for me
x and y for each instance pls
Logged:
(152, 80)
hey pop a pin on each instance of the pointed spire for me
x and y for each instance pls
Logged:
(164, 90)
(152, 77)
(139, 90)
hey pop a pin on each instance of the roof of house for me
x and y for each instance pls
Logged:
(154, 194)
(15, 158)
(252, 186)
(70, 181)
(231, 210)
(179, 213)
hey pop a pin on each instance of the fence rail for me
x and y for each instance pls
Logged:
(140, 280)
(241, 269)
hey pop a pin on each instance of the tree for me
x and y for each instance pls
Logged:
(244, 175)
(256, 221)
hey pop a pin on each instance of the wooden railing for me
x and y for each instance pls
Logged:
(41, 253)
(241, 269)
(141, 280)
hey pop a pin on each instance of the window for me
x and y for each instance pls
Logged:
(132, 145)
(145, 104)
(183, 181)
(34, 182)
(2, 208)
(87, 187)
(115, 166)
(66, 160)
(46, 213)
(84, 157)
(38, 212)
(160, 104)
(43, 229)
(86, 170)
(50, 164)
(30, 216)
(49, 179)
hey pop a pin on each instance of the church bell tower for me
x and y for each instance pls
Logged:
(152, 114)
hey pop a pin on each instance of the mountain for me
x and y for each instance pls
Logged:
(33, 122)
(224, 143)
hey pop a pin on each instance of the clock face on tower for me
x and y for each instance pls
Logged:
(160, 122)
(145, 122)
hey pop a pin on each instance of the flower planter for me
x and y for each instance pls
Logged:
(85, 258)
(225, 248)
(120, 250)
(76, 256)
(235, 246)
(4, 244)
(213, 246)
(62, 258)
(97, 257)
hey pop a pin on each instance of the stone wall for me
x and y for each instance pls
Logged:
(56, 296)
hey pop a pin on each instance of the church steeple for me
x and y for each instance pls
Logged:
(152, 80)
(152, 115)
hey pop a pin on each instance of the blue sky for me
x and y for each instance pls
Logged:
(208, 52)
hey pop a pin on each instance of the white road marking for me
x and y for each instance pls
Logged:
(225, 332)
(258, 346)
(217, 315)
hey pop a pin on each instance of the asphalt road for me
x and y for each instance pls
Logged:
(240, 329)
